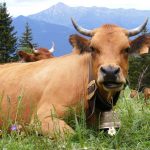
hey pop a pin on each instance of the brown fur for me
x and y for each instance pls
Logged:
(141, 44)
(146, 93)
(133, 93)
(79, 44)
(42, 53)
(52, 86)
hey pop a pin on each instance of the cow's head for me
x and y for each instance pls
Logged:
(133, 93)
(109, 47)
(37, 54)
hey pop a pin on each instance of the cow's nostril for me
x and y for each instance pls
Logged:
(103, 70)
(116, 70)
(110, 70)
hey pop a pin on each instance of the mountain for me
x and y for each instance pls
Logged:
(53, 24)
(91, 17)
(44, 33)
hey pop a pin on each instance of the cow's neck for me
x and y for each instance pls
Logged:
(107, 95)
(101, 101)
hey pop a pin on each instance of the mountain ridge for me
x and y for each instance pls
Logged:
(91, 16)
(54, 23)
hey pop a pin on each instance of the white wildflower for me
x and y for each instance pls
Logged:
(111, 131)
(84, 148)
(63, 146)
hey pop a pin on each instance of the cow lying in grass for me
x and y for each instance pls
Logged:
(38, 54)
(47, 89)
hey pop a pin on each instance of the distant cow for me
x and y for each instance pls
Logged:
(134, 93)
(146, 93)
(38, 54)
(141, 44)
(47, 89)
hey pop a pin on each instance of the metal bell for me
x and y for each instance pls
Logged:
(109, 119)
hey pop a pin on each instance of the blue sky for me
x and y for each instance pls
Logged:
(26, 7)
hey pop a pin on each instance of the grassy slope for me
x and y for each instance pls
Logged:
(133, 135)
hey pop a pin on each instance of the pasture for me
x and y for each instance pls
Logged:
(134, 133)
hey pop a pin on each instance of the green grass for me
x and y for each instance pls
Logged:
(134, 133)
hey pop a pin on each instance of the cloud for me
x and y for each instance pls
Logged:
(26, 1)
(26, 7)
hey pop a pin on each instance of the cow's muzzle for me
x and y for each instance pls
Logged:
(110, 75)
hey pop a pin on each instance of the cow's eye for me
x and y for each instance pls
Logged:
(92, 49)
(127, 50)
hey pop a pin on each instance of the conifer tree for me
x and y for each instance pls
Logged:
(26, 38)
(139, 66)
(7, 35)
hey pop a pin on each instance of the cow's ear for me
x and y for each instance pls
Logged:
(80, 43)
(25, 56)
(140, 45)
(22, 54)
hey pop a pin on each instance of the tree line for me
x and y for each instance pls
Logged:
(9, 42)
(139, 67)
(139, 72)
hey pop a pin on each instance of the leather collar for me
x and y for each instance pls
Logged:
(97, 102)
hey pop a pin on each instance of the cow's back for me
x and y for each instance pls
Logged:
(57, 82)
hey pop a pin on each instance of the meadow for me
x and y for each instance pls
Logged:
(134, 133)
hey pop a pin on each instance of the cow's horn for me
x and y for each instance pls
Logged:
(35, 50)
(137, 30)
(32, 47)
(52, 48)
(80, 29)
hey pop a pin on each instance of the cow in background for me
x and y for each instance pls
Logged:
(134, 93)
(144, 90)
(37, 54)
(146, 93)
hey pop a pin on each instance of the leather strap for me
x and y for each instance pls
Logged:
(92, 84)
(91, 89)
(100, 104)
(91, 109)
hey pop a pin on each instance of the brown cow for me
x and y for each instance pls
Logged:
(48, 88)
(146, 93)
(141, 44)
(134, 93)
(38, 54)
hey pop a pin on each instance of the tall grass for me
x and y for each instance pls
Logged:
(134, 133)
